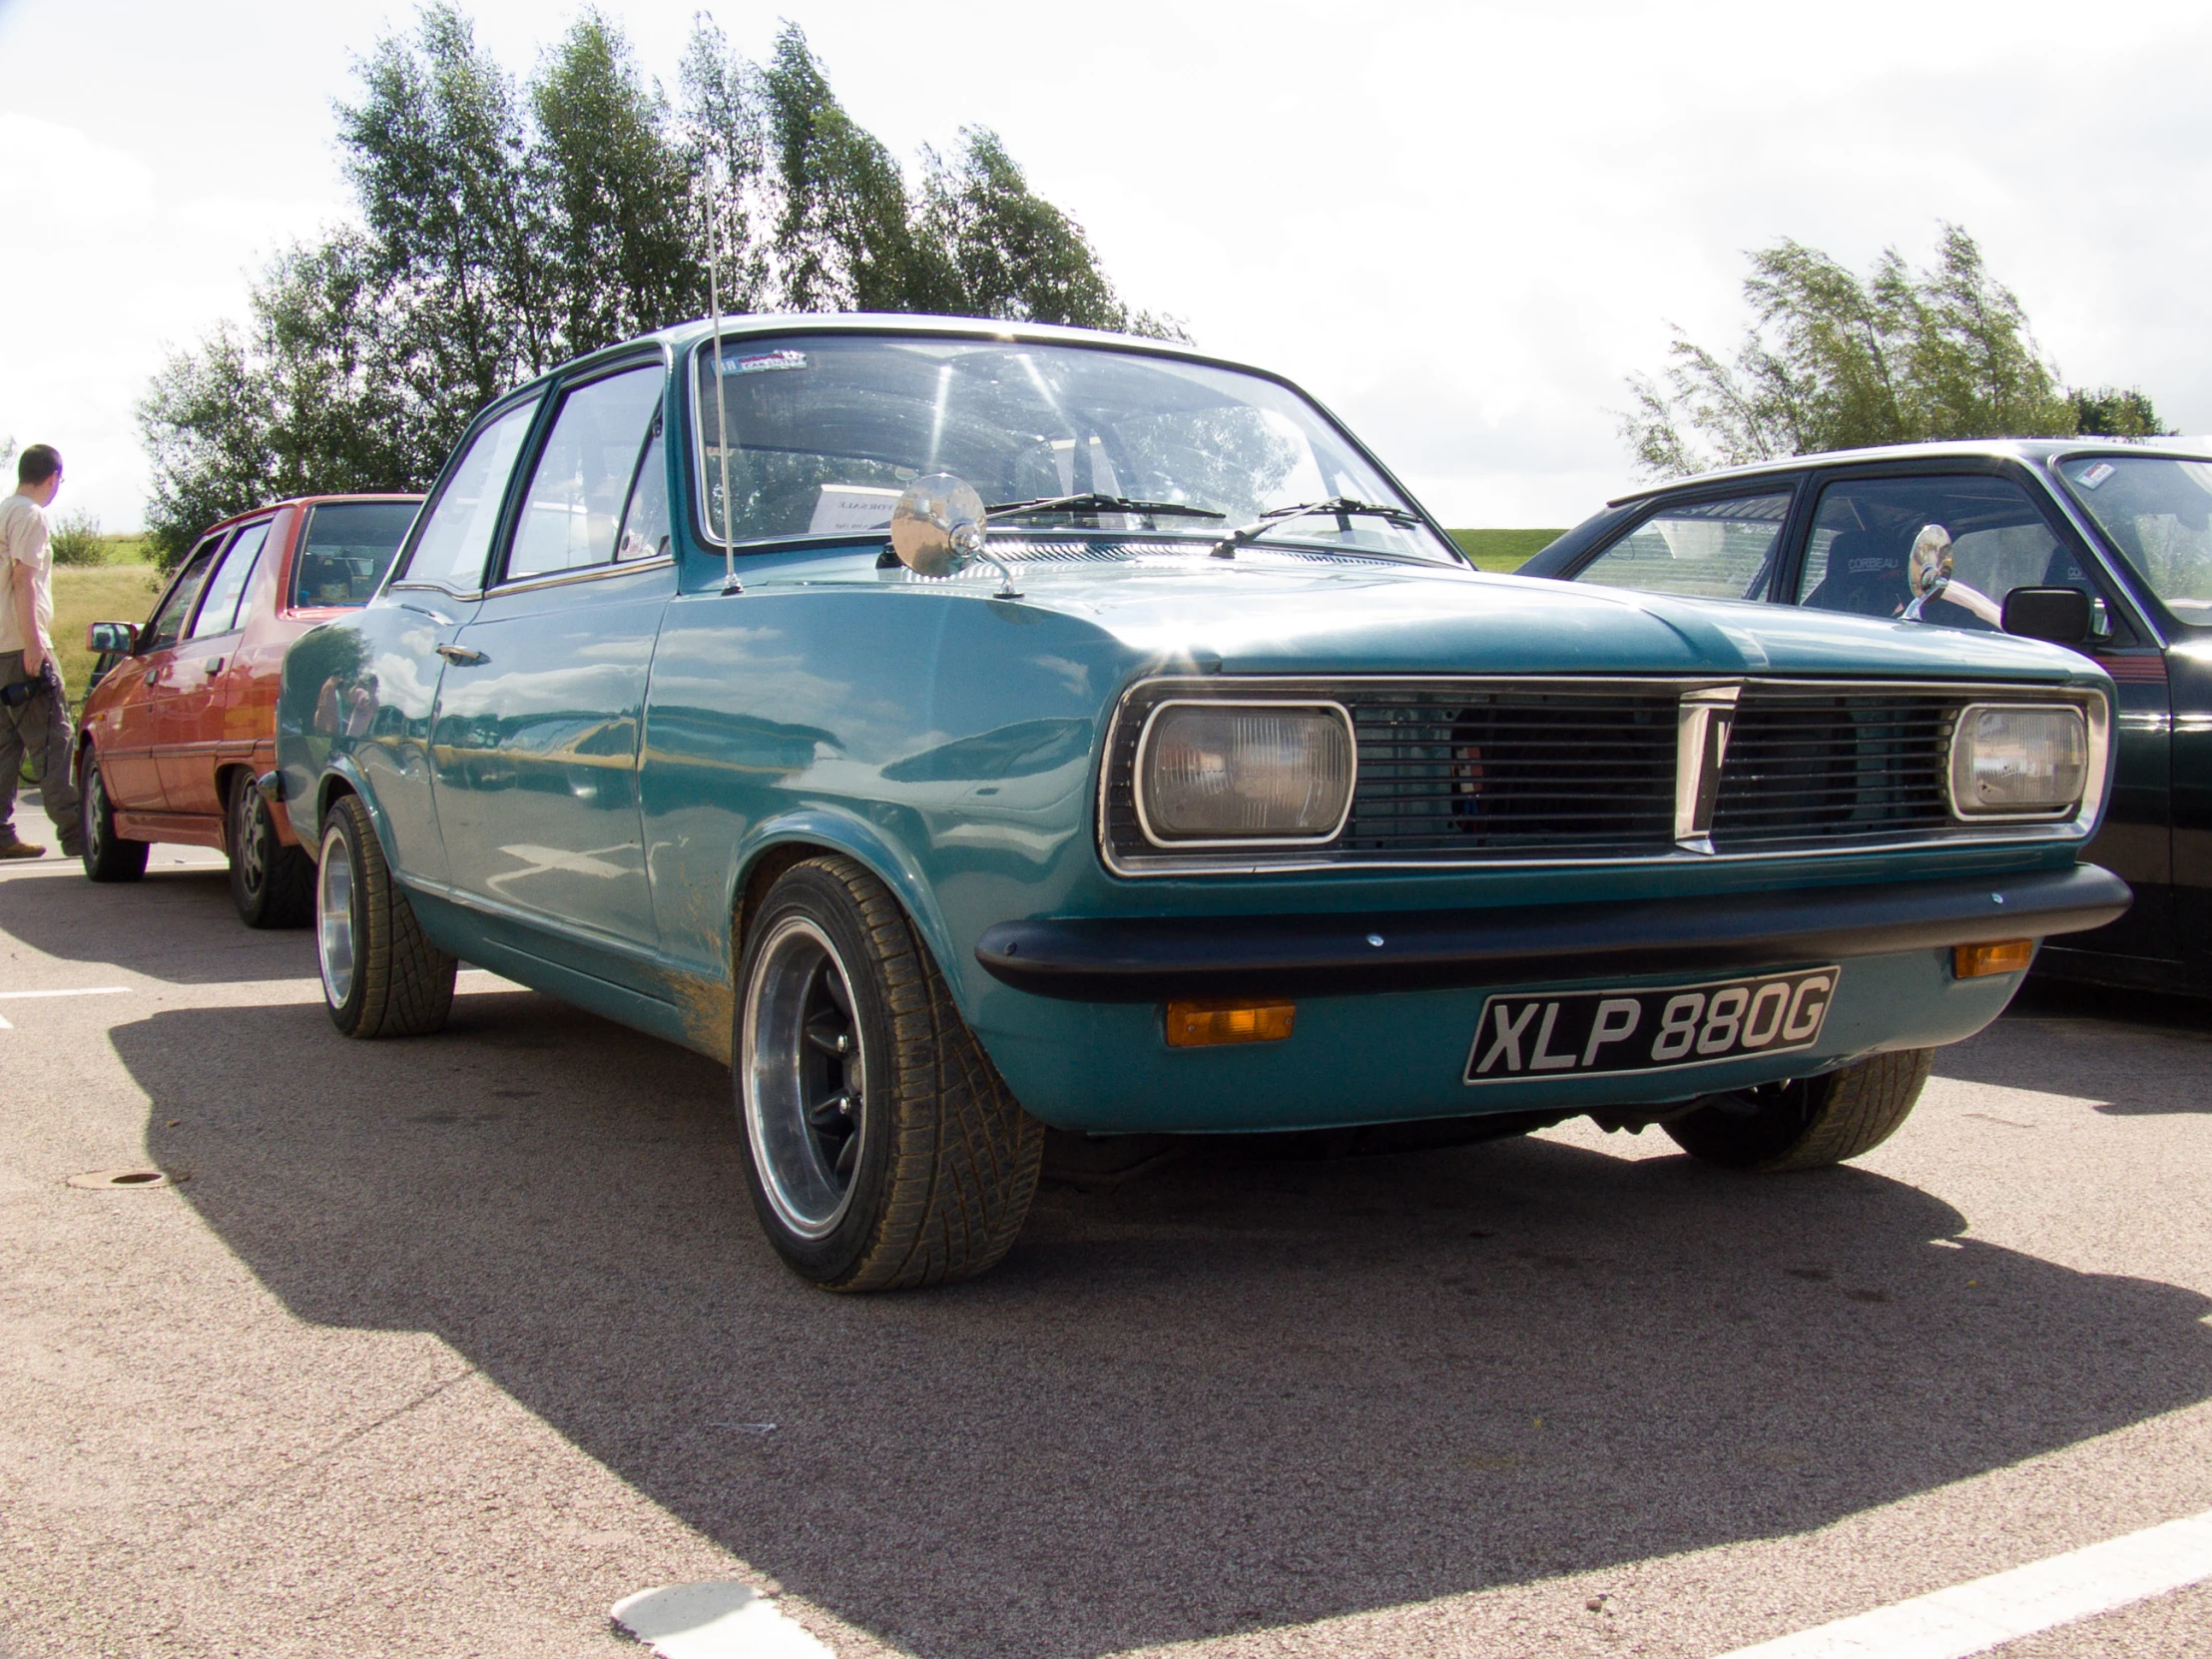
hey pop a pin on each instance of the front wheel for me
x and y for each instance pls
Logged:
(380, 976)
(107, 855)
(1808, 1122)
(882, 1148)
(272, 885)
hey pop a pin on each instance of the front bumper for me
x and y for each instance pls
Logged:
(1148, 958)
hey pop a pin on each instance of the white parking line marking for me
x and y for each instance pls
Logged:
(89, 990)
(1972, 1618)
(718, 1620)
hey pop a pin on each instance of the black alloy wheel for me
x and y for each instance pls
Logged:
(107, 855)
(271, 884)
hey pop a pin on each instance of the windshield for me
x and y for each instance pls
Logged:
(2158, 513)
(827, 430)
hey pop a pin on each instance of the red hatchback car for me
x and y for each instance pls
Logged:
(182, 716)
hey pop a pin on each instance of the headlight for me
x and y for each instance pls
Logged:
(1220, 772)
(2017, 759)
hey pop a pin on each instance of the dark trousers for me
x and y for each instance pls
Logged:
(40, 729)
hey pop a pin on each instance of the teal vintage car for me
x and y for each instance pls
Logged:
(963, 729)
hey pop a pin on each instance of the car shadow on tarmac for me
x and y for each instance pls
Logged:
(176, 924)
(1237, 1392)
(2116, 1048)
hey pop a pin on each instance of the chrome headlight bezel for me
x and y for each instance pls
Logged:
(1140, 779)
(2085, 712)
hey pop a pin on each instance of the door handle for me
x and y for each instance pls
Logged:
(460, 655)
(211, 665)
(153, 674)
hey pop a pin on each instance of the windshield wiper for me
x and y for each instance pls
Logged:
(1093, 502)
(1343, 506)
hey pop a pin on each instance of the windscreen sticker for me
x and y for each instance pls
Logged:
(2096, 475)
(761, 362)
(843, 507)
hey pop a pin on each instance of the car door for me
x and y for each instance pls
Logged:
(2004, 535)
(187, 706)
(131, 773)
(541, 705)
(380, 692)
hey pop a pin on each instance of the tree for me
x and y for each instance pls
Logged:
(1834, 361)
(504, 229)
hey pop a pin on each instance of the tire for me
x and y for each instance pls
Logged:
(882, 1150)
(107, 856)
(1808, 1122)
(380, 976)
(272, 885)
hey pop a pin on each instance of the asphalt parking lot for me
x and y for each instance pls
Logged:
(442, 1346)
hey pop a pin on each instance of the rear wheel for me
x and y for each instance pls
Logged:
(883, 1148)
(272, 885)
(381, 978)
(1808, 1122)
(107, 855)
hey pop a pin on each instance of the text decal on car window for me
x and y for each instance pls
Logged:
(1520, 1038)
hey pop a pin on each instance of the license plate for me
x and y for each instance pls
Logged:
(1576, 1033)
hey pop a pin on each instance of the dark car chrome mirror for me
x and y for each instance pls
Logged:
(112, 639)
(937, 529)
(2059, 615)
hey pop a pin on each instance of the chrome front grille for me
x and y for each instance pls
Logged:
(1561, 769)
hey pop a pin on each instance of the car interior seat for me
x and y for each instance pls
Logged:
(1865, 575)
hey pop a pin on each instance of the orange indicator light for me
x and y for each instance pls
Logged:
(1970, 961)
(1198, 1024)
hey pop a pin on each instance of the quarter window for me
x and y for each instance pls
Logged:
(227, 588)
(457, 534)
(347, 547)
(572, 512)
(646, 531)
(1862, 536)
(1700, 549)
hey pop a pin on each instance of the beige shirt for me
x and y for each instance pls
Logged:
(25, 539)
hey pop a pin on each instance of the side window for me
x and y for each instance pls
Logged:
(1700, 549)
(457, 534)
(226, 591)
(1864, 532)
(167, 625)
(645, 526)
(573, 509)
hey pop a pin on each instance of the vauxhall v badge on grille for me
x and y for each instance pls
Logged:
(1648, 1031)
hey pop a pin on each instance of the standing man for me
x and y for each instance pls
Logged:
(34, 708)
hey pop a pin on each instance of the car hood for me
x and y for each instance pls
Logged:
(1264, 616)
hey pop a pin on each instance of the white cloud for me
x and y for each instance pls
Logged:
(1460, 226)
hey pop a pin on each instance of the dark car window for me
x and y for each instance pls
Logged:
(1864, 532)
(457, 534)
(346, 550)
(225, 589)
(572, 511)
(2159, 510)
(1702, 549)
(169, 621)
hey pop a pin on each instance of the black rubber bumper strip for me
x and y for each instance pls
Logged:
(1144, 958)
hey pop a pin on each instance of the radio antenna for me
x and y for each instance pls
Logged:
(729, 582)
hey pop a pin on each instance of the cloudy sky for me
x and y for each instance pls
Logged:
(1460, 226)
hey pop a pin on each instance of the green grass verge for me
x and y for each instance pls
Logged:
(1504, 550)
(84, 594)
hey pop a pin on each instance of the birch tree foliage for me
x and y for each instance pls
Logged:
(504, 225)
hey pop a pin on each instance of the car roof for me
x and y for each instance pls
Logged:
(2035, 450)
(683, 335)
(305, 501)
